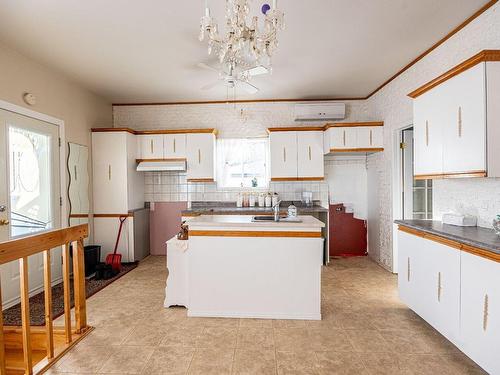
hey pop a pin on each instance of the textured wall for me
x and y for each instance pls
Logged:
(393, 106)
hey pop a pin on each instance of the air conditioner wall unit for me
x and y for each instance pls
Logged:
(319, 111)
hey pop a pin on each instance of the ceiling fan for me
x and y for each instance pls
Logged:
(231, 78)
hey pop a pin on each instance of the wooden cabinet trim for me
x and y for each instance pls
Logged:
(240, 233)
(353, 124)
(436, 176)
(451, 243)
(297, 129)
(200, 180)
(369, 149)
(129, 214)
(160, 160)
(153, 132)
(483, 56)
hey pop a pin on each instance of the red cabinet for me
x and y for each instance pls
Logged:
(347, 234)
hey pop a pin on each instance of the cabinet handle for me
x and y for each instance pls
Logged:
(109, 172)
(439, 287)
(371, 138)
(408, 270)
(76, 176)
(199, 156)
(174, 145)
(309, 152)
(460, 122)
(284, 154)
(344, 137)
(151, 142)
(485, 312)
(427, 133)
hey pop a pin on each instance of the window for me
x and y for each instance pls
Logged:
(242, 163)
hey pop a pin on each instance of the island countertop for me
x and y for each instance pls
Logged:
(245, 222)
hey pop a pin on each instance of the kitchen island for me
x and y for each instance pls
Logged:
(243, 269)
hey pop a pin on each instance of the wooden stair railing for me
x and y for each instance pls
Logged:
(53, 342)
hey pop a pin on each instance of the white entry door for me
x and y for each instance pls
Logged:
(29, 194)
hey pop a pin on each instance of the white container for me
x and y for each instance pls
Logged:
(239, 200)
(459, 220)
(262, 200)
(292, 211)
(269, 200)
(251, 200)
(275, 199)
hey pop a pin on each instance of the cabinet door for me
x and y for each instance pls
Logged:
(174, 146)
(200, 154)
(465, 132)
(151, 146)
(428, 136)
(109, 160)
(310, 162)
(369, 137)
(342, 138)
(283, 153)
(480, 311)
(442, 298)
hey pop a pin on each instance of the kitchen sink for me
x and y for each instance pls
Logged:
(283, 218)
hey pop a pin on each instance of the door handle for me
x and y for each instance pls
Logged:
(427, 133)
(76, 176)
(439, 288)
(174, 145)
(460, 122)
(309, 152)
(152, 148)
(344, 137)
(284, 154)
(485, 312)
(199, 156)
(4, 222)
(408, 272)
(109, 172)
(371, 138)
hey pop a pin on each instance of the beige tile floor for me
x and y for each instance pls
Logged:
(365, 330)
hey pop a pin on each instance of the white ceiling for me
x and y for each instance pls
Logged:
(147, 50)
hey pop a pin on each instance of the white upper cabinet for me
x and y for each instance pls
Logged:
(354, 137)
(174, 146)
(310, 162)
(200, 153)
(283, 151)
(465, 128)
(151, 146)
(428, 135)
(109, 169)
(480, 313)
(455, 123)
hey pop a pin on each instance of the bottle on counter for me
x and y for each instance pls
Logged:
(268, 200)
(262, 200)
(239, 200)
(292, 211)
(251, 200)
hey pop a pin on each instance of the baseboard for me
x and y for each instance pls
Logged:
(216, 314)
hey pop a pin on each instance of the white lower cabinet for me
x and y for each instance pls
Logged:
(480, 313)
(457, 292)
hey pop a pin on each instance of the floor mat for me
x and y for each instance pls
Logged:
(12, 315)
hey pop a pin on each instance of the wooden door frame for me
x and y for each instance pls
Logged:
(62, 150)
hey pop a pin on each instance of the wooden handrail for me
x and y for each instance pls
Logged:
(21, 249)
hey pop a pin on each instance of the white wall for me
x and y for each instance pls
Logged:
(392, 105)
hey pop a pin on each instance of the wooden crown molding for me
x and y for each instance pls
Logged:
(368, 149)
(159, 160)
(483, 56)
(436, 176)
(158, 131)
(353, 124)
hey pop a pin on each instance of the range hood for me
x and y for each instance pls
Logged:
(161, 165)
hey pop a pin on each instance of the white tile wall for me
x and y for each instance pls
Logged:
(173, 187)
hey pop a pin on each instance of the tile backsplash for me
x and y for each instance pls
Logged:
(173, 187)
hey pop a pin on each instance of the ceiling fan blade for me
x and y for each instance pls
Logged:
(248, 87)
(257, 70)
(211, 85)
(206, 66)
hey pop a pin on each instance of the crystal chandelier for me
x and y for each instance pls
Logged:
(243, 45)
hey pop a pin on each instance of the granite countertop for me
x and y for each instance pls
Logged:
(482, 238)
(229, 208)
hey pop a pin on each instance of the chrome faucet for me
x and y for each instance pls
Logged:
(276, 209)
